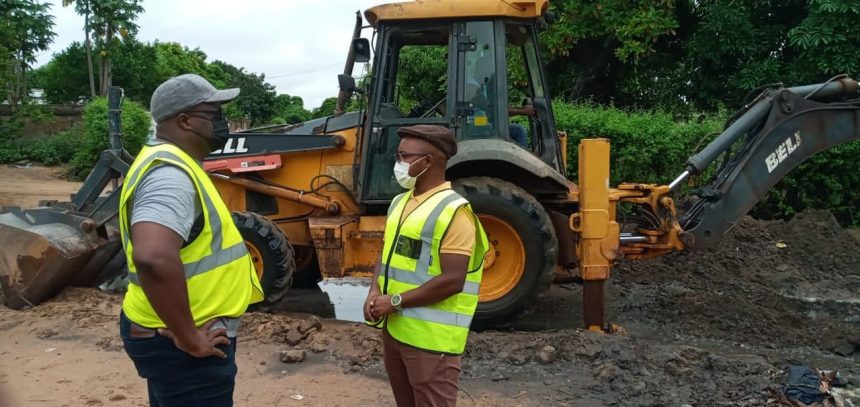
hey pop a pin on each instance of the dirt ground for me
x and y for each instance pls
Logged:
(26, 186)
(704, 329)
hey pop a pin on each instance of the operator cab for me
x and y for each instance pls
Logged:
(471, 73)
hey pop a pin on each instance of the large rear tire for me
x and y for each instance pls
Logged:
(523, 252)
(271, 252)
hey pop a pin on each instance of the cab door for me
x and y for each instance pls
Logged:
(398, 101)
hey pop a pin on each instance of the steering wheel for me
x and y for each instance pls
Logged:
(426, 108)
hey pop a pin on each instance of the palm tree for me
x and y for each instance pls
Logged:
(83, 7)
(105, 21)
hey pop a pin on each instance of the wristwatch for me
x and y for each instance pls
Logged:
(396, 301)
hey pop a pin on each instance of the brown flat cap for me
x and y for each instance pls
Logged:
(439, 136)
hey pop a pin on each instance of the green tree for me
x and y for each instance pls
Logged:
(325, 109)
(7, 60)
(27, 29)
(422, 74)
(64, 77)
(290, 109)
(257, 99)
(828, 39)
(111, 22)
(82, 7)
(687, 56)
(175, 59)
(137, 67)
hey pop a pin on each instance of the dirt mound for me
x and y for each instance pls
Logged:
(355, 346)
(614, 369)
(82, 306)
(767, 283)
(622, 370)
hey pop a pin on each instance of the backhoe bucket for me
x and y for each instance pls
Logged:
(43, 250)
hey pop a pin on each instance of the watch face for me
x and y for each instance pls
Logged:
(395, 300)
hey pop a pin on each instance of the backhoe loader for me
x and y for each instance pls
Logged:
(312, 198)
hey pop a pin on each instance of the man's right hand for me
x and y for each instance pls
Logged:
(368, 303)
(203, 343)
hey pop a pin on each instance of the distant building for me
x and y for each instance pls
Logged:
(37, 96)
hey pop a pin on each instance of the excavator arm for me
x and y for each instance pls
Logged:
(782, 129)
(773, 134)
(776, 132)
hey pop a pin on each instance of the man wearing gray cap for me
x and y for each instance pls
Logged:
(190, 275)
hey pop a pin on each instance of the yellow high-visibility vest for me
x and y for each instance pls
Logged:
(219, 272)
(410, 258)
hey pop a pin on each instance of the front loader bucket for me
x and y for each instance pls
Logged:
(42, 250)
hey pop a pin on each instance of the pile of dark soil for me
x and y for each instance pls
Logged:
(767, 283)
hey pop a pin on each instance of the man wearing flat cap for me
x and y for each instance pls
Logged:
(190, 275)
(426, 287)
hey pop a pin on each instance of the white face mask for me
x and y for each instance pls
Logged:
(401, 173)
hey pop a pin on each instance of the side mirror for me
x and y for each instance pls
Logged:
(346, 83)
(361, 50)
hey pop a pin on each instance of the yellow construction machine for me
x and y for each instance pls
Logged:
(311, 198)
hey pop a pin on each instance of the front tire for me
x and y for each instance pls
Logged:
(271, 252)
(523, 252)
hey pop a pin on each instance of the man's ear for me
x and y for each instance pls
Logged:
(182, 121)
(431, 160)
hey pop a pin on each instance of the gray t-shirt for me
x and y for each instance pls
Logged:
(166, 196)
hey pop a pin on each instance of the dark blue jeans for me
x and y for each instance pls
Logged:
(175, 378)
(519, 134)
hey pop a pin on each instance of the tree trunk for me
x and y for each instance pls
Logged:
(11, 83)
(88, 45)
(105, 55)
(15, 94)
(25, 90)
(101, 64)
(108, 74)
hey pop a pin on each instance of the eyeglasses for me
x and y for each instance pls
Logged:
(399, 157)
(216, 114)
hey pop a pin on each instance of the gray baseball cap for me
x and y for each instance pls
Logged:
(180, 93)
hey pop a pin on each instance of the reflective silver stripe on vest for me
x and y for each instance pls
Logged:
(438, 316)
(408, 277)
(217, 256)
(208, 263)
(425, 258)
(396, 202)
(422, 268)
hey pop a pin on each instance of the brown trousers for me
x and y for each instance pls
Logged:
(420, 378)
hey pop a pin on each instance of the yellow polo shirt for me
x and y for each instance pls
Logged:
(460, 236)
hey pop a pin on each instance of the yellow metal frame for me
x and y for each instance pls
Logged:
(599, 233)
(438, 9)
(595, 223)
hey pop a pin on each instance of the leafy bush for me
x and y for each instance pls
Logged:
(828, 180)
(135, 130)
(36, 113)
(49, 150)
(648, 147)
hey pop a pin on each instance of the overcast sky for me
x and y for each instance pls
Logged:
(300, 45)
